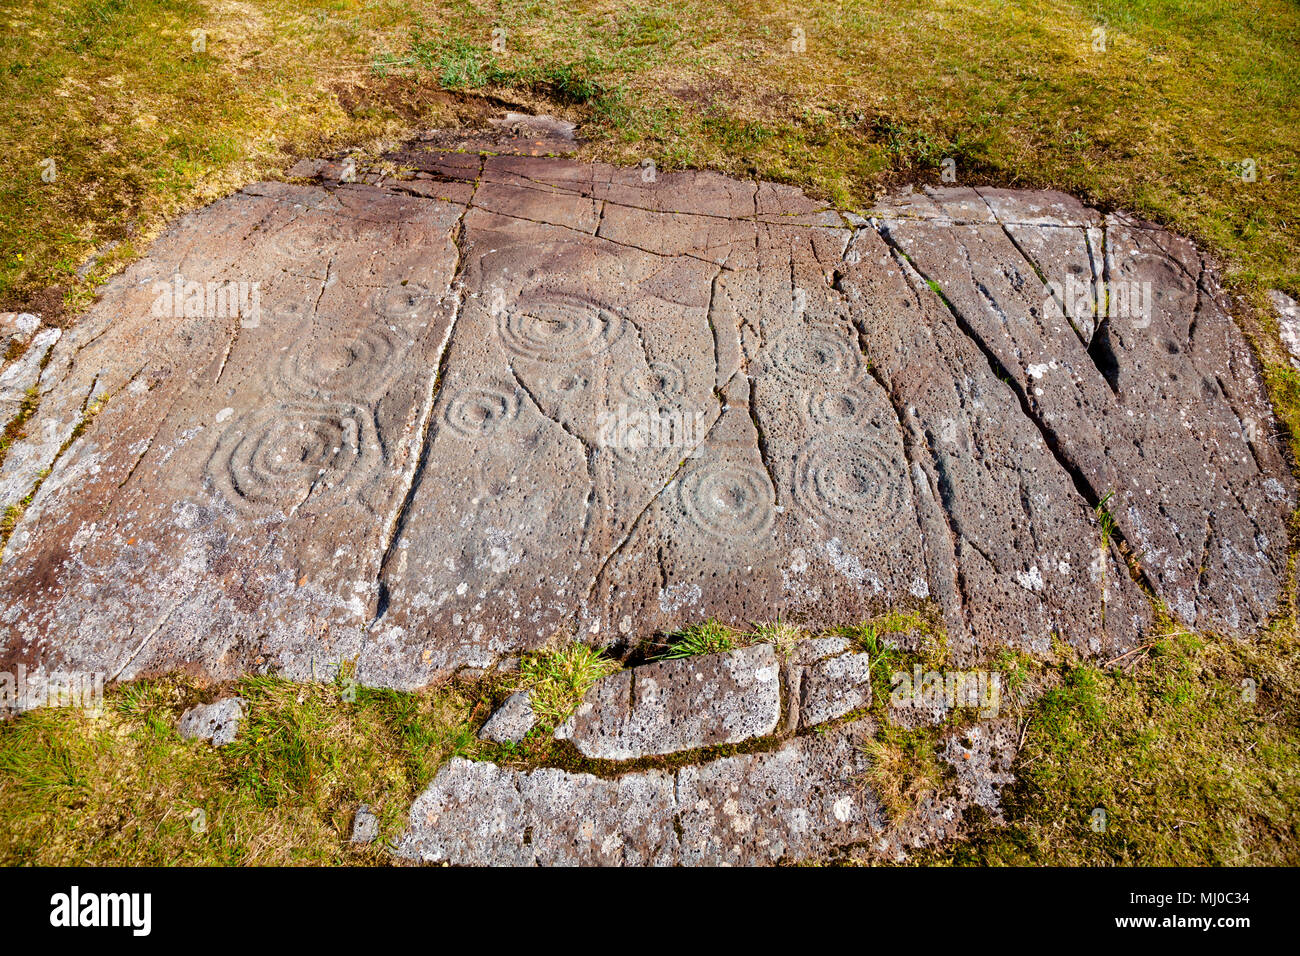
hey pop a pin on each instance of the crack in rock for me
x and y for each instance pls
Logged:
(509, 397)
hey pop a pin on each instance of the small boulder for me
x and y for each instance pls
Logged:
(217, 722)
(512, 720)
(365, 825)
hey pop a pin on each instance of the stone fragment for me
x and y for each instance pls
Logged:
(1288, 320)
(791, 804)
(833, 687)
(365, 826)
(676, 705)
(511, 721)
(16, 329)
(480, 814)
(814, 649)
(982, 756)
(217, 722)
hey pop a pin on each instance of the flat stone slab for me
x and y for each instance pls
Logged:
(679, 705)
(800, 800)
(457, 411)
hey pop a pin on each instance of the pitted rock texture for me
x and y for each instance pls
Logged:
(365, 826)
(1155, 401)
(833, 687)
(679, 705)
(789, 798)
(712, 699)
(803, 799)
(500, 397)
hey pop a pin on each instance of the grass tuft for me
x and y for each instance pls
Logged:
(707, 637)
(123, 788)
(559, 679)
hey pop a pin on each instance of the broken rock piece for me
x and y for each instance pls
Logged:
(679, 705)
(511, 721)
(801, 799)
(216, 722)
(833, 687)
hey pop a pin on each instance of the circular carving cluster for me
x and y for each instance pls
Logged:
(850, 479)
(334, 368)
(278, 456)
(811, 356)
(836, 409)
(660, 382)
(317, 441)
(558, 328)
(298, 240)
(477, 412)
(728, 501)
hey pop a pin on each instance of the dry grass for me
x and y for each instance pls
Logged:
(140, 125)
(904, 769)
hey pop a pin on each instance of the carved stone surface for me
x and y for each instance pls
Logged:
(505, 397)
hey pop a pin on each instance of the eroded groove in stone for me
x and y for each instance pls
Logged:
(1141, 412)
(511, 397)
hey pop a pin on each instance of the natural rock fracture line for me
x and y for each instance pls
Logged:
(504, 398)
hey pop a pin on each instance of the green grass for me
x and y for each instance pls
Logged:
(1105, 520)
(141, 125)
(1188, 769)
(707, 637)
(558, 679)
(124, 788)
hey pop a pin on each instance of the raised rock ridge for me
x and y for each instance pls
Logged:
(501, 397)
